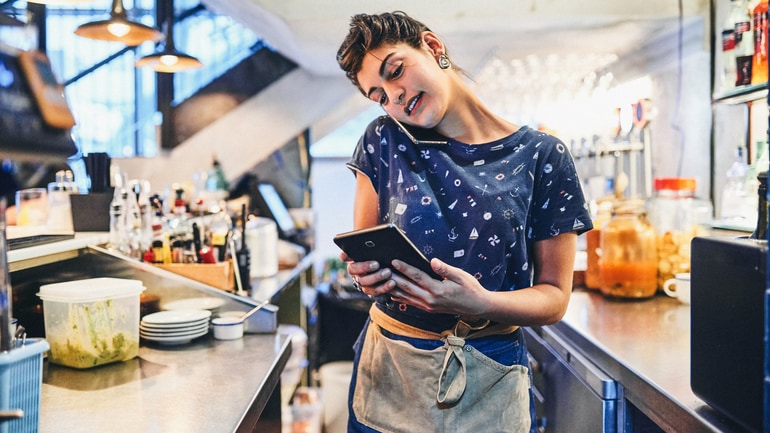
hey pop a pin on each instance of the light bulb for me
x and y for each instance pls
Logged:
(118, 29)
(169, 59)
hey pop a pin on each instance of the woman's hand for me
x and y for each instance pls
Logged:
(368, 276)
(458, 293)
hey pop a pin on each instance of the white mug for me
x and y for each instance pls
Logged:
(680, 289)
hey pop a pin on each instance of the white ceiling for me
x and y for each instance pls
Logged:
(309, 32)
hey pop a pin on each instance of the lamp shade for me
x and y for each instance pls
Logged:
(168, 59)
(119, 28)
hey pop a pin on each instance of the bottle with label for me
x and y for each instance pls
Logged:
(744, 42)
(738, 205)
(727, 77)
(118, 240)
(759, 67)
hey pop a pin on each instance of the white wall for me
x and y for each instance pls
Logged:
(249, 133)
(333, 191)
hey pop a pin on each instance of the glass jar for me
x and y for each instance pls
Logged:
(677, 217)
(593, 278)
(628, 264)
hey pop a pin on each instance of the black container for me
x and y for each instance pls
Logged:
(728, 283)
(91, 212)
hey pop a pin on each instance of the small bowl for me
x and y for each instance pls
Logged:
(235, 315)
(227, 328)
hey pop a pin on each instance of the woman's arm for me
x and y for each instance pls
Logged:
(365, 207)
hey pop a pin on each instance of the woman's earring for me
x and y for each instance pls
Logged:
(443, 62)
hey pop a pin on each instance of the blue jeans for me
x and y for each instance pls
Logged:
(507, 349)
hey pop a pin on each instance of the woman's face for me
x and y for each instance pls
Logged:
(407, 82)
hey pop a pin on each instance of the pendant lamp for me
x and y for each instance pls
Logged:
(119, 29)
(168, 59)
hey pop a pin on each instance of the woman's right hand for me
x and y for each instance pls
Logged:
(369, 278)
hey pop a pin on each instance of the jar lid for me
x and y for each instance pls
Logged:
(674, 183)
(89, 290)
(629, 207)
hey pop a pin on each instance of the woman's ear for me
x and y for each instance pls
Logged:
(434, 45)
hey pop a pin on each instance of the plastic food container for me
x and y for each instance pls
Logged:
(92, 322)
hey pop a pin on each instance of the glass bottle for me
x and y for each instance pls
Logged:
(727, 77)
(118, 240)
(759, 68)
(737, 205)
(744, 42)
(628, 264)
(760, 232)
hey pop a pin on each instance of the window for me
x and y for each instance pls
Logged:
(115, 103)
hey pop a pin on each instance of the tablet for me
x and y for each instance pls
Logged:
(383, 244)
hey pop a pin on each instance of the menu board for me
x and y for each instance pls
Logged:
(24, 135)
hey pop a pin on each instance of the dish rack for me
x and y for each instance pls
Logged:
(21, 379)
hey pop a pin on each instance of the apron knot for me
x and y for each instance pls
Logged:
(452, 380)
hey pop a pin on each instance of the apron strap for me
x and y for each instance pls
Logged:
(452, 380)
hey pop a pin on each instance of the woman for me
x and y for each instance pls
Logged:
(497, 207)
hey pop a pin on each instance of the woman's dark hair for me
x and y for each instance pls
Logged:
(368, 32)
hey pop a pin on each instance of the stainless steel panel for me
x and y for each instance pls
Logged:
(571, 394)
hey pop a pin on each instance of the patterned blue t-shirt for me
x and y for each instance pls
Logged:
(477, 207)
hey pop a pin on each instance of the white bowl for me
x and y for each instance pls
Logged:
(227, 328)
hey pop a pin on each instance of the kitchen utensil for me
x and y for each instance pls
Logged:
(254, 310)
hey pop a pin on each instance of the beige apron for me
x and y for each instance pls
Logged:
(397, 389)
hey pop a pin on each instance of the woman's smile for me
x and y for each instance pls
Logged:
(413, 103)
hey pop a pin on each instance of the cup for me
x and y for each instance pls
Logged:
(32, 207)
(227, 328)
(678, 287)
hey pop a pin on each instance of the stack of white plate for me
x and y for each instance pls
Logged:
(174, 327)
(205, 303)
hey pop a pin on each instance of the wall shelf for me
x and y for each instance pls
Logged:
(740, 95)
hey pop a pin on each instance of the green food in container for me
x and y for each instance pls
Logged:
(92, 322)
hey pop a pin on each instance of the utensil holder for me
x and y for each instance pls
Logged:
(21, 380)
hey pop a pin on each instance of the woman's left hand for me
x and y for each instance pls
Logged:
(458, 293)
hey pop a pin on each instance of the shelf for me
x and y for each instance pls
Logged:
(740, 95)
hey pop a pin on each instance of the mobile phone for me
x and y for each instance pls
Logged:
(383, 243)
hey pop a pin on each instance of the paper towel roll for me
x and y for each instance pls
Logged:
(262, 242)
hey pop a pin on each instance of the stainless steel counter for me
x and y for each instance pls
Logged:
(644, 345)
(206, 386)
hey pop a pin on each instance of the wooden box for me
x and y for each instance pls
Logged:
(219, 275)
